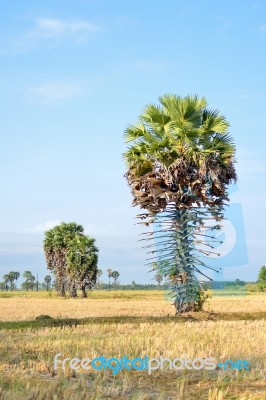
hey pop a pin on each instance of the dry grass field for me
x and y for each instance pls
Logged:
(133, 324)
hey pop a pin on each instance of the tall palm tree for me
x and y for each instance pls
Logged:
(180, 162)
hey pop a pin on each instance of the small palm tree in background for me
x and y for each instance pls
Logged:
(115, 275)
(16, 276)
(6, 278)
(11, 279)
(99, 273)
(29, 280)
(180, 162)
(48, 280)
(109, 273)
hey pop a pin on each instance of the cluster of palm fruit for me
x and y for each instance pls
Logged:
(180, 163)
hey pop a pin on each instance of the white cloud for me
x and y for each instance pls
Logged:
(49, 28)
(54, 92)
(50, 32)
(40, 228)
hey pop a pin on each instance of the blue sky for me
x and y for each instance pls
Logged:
(74, 74)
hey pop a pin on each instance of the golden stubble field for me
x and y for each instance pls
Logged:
(26, 366)
(29, 305)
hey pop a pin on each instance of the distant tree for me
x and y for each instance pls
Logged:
(238, 282)
(109, 273)
(99, 273)
(115, 275)
(47, 280)
(16, 276)
(2, 286)
(82, 258)
(262, 274)
(262, 279)
(29, 280)
(56, 244)
(12, 275)
(6, 278)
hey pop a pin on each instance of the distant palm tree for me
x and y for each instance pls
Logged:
(6, 278)
(56, 242)
(12, 275)
(115, 275)
(16, 276)
(109, 273)
(180, 162)
(47, 280)
(82, 258)
(99, 273)
(29, 280)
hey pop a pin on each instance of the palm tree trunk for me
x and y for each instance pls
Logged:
(72, 289)
(83, 290)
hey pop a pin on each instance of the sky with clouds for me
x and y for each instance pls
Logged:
(74, 74)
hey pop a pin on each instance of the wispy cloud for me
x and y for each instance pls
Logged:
(49, 28)
(50, 32)
(55, 92)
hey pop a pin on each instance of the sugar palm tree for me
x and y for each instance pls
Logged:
(6, 278)
(47, 280)
(29, 280)
(180, 162)
(109, 273)
(115, 275)
(99, 273)
(12, 279)
(82, 258)
(16, 276)
(56, 243)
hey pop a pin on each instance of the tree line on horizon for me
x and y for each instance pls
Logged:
(31, 282)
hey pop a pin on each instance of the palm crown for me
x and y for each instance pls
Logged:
(179, 147)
